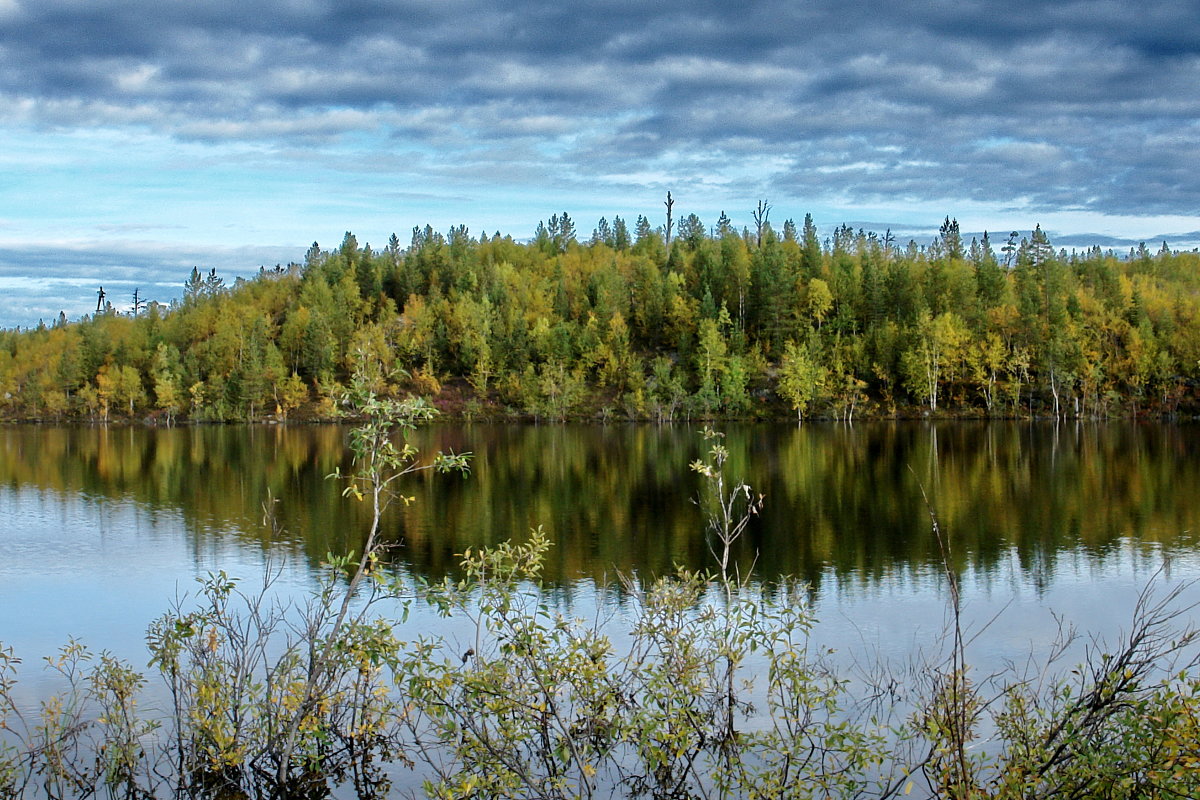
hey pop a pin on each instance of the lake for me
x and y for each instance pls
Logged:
(102, 528)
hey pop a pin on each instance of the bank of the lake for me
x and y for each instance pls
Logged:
(716, 325)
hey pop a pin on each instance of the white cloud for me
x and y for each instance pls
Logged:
(1021, 152)
(136, 79)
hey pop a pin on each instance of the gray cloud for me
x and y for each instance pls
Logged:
(1089, 105)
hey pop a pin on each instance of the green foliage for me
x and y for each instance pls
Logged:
(936, 355)
(801, 378)
(540, 704)
(1085, 334)
(250, 719)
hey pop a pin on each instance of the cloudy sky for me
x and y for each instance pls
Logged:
(142, 137)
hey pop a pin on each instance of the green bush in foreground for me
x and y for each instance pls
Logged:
(689, 686)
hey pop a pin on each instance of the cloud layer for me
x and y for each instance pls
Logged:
(1091, 105)
(870, 106)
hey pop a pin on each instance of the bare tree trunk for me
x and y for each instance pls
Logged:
(670, 221)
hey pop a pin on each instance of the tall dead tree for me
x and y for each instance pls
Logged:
(670, 220)
(760, 219)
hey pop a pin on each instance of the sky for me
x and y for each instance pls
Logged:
(140, 138)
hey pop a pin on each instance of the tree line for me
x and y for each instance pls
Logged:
(644, 322)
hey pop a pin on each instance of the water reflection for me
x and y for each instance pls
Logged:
(846, 504)
(101, 528)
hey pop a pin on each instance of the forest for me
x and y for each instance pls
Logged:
(678, 321)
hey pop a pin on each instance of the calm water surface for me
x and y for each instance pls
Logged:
(100, 529)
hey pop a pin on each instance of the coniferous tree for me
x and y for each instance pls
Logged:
(789, 230)
(810, 249)
(621, 240)
(691, 231)
(603, 234)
